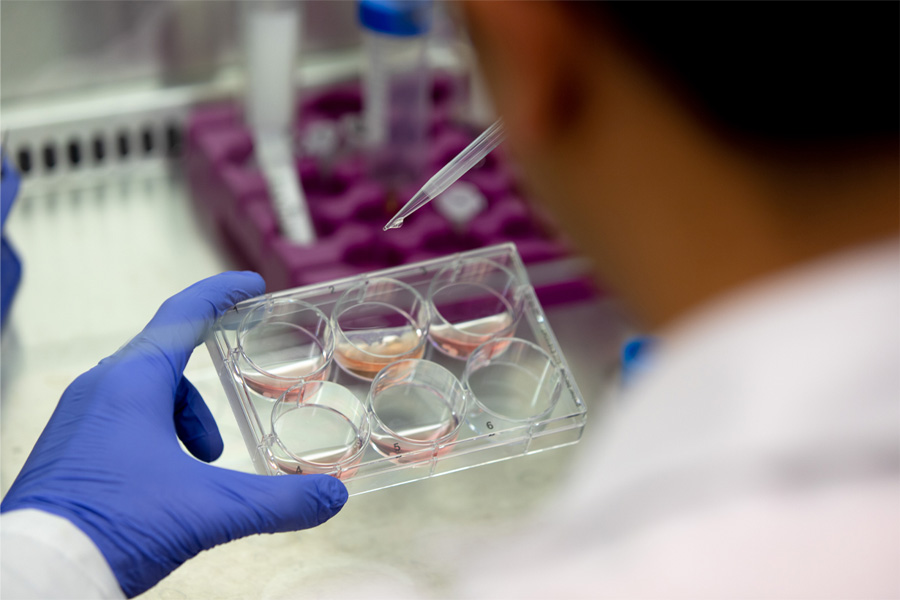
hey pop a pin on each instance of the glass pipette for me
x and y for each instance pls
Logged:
(452, 171)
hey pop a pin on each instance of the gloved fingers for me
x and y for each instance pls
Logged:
(9, 186)
(183, 320)
(277, 504)
(195, 425)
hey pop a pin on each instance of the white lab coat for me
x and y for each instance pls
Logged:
(759, 457)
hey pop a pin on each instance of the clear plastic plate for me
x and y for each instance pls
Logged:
(480, 438)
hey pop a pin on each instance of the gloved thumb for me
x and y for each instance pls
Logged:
(184, 319)
(194, 424)
(273, 504)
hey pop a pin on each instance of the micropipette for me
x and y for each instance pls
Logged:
(452, 171)
(271, 33)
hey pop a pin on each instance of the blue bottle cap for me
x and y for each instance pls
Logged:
(401, 18)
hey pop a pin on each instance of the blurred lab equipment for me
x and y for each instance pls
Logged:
(456, 168)
(349, 207)
(396, 86)
(364, 143)
(460, 204)
(271, 32)
(637, 357)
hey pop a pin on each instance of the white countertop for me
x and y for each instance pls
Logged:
(100, 257)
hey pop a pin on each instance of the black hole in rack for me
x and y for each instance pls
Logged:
(520, 228)
(373, 255)
(147, 141)
(123, 144)
(447, 242)
(99, 148)
(49, 156)
(74, 152)
(337, 104)
(173, 140)
(441, 90)
(23, 159)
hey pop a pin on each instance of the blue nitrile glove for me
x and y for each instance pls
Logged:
(109, 459)
(9, 186)
(10, 265)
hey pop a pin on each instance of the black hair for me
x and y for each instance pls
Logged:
(797, 74)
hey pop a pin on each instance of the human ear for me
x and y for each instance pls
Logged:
(533, 55)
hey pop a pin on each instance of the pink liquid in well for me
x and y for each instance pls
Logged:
(293, 467)
(365, 360)
(460, 339)
(287, 375)
(316, 439)
(412, 419)
(405, 451)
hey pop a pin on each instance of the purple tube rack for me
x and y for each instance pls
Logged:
(349, 210)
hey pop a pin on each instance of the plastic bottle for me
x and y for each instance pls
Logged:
(396, 87)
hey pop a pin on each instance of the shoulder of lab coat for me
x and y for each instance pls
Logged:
(759, 456)
(46, 556)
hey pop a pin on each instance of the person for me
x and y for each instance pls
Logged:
(732, 169)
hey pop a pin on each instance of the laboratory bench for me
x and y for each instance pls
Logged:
(101, 252)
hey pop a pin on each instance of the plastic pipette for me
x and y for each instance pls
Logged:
(452, 171)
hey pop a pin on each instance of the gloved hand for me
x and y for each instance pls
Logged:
(110, 462)
(10, 265)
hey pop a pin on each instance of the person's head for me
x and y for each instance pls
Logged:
(691, 147)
